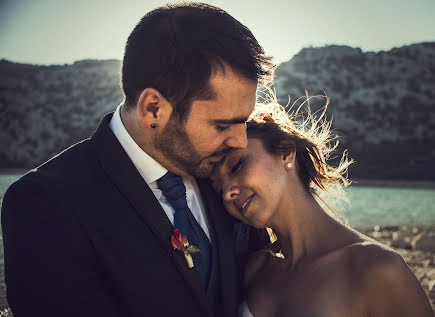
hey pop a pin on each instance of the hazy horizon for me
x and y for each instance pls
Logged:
(120, 59)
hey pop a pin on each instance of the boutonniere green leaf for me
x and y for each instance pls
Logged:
(179, 242)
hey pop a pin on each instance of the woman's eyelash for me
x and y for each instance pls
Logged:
(236, 166)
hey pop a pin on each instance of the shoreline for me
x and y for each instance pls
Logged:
(417, 184)
(393, 183)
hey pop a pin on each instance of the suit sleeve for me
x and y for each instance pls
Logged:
(50, 265)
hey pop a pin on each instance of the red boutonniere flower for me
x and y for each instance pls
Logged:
(266, 117)
(180, 243)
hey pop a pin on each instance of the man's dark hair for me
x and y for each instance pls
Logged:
(177, 48)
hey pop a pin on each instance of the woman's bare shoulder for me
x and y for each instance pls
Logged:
(367, 252)
(369, 259)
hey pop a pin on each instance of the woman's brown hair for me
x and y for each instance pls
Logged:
(309, 134)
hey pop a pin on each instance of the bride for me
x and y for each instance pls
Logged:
(282, 181)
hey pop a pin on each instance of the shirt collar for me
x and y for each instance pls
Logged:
(147, 167)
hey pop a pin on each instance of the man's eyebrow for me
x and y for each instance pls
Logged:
(237, 120)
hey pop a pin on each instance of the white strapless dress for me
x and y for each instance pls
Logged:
(244, 310)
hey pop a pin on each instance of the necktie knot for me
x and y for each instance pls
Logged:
(173, 189)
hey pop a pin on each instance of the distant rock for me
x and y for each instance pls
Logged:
(48, 108)
(382, 104)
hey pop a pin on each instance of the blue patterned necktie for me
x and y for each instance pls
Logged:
(174, 190)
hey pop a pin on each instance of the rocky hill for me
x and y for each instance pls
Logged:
(47, 108)
(381, 103)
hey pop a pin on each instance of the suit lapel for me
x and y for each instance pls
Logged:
(122, 172)
(223, 225)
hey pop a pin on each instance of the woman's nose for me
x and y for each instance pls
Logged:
(231, 193)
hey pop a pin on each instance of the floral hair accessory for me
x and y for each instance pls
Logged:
(267, 117)
(180, 243)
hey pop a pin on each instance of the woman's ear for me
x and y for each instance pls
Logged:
(288, 159)
(154, 110)
(288, 153)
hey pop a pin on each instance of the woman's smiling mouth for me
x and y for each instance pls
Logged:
(244, 204)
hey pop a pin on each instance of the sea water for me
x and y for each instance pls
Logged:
(369, 205)
(383, 206)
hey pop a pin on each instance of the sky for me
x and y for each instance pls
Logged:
(64, 31)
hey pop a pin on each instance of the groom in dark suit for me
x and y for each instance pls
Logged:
(89, 232)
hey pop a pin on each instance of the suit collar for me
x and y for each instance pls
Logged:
(122, 172)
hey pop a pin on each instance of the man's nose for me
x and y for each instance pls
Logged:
(238, 137)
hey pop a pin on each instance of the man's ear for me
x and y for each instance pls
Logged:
(153, 108)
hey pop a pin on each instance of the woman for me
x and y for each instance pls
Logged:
(324, 268)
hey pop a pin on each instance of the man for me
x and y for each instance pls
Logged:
(89, 232)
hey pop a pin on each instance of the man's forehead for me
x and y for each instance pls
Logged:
(231, 85)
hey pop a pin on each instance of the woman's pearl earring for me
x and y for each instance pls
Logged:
(289, 165)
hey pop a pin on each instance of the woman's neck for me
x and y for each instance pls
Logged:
(306, 231)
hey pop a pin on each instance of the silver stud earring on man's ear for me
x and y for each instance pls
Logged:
(289, 165)
(153, 125)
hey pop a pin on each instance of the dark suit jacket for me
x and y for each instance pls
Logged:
(85, 236)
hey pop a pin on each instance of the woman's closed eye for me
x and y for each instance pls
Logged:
(237, 166)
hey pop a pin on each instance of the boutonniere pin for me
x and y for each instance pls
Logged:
(180, 243)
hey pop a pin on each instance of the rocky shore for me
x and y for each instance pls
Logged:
(415, 244)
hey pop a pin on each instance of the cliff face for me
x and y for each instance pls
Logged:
(47, 108)
(382, 105)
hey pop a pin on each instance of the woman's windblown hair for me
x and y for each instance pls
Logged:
(309, 134)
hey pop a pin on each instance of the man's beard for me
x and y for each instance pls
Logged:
(175, 145)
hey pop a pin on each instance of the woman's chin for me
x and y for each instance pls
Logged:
(255, 222)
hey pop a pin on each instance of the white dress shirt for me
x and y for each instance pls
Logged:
(151, 171)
